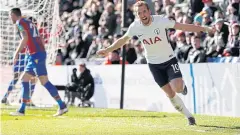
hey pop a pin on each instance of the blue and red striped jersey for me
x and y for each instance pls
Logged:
(34, 43)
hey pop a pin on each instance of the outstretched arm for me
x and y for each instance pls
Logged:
(191, 27)
(117, 44)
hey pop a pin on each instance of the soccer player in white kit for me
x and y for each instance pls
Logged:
(150, 30)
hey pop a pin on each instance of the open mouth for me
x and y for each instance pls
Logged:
(144, 18)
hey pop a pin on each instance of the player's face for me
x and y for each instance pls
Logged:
(13, 17)
(144, 14)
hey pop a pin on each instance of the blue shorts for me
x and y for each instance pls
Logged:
(36, 64)
(21, 63)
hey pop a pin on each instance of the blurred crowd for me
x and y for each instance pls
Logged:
(94, 24)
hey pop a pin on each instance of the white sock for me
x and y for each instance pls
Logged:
(179, 105)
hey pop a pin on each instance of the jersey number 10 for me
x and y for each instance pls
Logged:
(175, 68)
(35, 31)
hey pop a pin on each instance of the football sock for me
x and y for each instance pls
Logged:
(54, 93)
(179, 105)
(32, 89)
(25, 96)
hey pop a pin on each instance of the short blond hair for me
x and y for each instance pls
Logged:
(139, 3)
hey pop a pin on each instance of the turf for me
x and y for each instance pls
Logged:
(90, 121)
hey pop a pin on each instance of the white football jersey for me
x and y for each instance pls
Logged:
(154, 38)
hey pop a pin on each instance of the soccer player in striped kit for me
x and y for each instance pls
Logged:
(18, 69)
(36, 65)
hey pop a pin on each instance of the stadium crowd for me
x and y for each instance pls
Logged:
(94, 24)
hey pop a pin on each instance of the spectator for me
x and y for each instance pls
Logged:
(188, 37)
(210, 46)
(94, 48)
(93, 24)
(232, 13)
(221, 35)
(88, 38)
(196, 6)
(72, 88)
(131, 55)
(140, 53)
(233, 45)
(210, 7)
(218, 15)
(86, 83)
(206, 20)
(94, 14)
(183, 48)
(108, 19)
(187, 19)
(197, 53)
(113, 58)
(169, 10)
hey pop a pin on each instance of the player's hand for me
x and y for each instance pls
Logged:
(102, 52)
(208, 29)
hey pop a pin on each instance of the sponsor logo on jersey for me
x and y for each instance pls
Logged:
(157, 31)
(150, 41)
(36, 61)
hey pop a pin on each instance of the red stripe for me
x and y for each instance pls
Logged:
(25, 100)
(30, 43)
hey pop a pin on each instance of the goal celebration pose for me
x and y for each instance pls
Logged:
(150, 30)
(36, 65)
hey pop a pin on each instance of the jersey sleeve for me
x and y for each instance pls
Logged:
(130, 31)
(21, 27)
(168, 23)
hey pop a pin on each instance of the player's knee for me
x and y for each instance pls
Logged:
(43, 80)
(177, 85)
(26, 77)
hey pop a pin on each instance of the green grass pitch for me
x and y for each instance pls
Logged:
(90, 121)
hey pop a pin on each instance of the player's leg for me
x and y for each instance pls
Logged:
(178, 103)
(41, 71)
(11, 86)
(32, 88)
(33, 82)
(175, 77)
(18, 68)
(177, 85)
(25, 96)
(161, 78)
(54, 93)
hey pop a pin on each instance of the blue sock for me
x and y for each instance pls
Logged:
(32, 89)
(22, 108)
(54, 93)
(10, 87)
(25, 96)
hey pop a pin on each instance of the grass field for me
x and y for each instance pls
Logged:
(89, 121)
